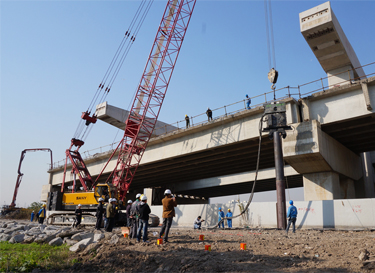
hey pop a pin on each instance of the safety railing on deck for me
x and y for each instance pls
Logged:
(285, 92)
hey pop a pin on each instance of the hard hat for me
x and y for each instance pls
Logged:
(208, 108)
(144, 197)
(167, 192)
(79, 205)
(291, 202)
(185, 115)
(114, 200)
(228, 209)
(44, 205)
(219, 208)
(100, 199)
(130, 201)
(138, 195)
(247, 95)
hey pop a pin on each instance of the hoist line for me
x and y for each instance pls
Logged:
(140, 23)
(269, 34)
(135, 24)
(115, 57)
(272, 37)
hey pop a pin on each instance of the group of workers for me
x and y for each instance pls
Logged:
(209, 111)
(40, 215)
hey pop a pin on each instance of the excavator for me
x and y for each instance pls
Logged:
(139, 125)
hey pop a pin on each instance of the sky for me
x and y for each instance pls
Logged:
(53, 55)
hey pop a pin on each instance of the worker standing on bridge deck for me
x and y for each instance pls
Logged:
(292, 217)
(134, 213)
(248, 101)
(229, 221)
(221, 216)
(169, 203)
(78, 213)
(42, 214)
(187, 119)
(209, 113)
(99, 213)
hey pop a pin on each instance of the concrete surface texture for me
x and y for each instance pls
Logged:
(340, 214)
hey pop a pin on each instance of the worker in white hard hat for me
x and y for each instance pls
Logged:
(111, 213)
(78, 213)
(169, 203)
(99, 213)
(187, 121)
(144, 212)
(128, 207)
(134, 214)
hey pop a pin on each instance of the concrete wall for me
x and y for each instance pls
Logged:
(347, 214)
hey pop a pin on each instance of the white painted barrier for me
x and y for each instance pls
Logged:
(346, 214)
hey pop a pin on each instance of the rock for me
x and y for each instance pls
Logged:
(68, 233)
(5, 237)
(91, 248)
(69, 242)
(44, 238)
(29, 239)
(114, 239)
(364, 255)
(42, 227)
(18, 238)
(56, 242)
(98, 237)
(13, 229)
(80, 245)
(81, 236)
(2, 230)
(108, 235)
(4, 225)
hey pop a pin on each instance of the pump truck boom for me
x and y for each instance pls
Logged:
(12, 206)
(141, 119)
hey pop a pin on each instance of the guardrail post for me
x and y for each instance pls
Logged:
(299, 91)
(225, 108)
(265, 97)
(350, 78)
(165, 128)
(288, 92)
(192, 123)
(244, 104)
(321, 80)
(178, 127)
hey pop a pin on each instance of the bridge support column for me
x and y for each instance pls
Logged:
(321, 186)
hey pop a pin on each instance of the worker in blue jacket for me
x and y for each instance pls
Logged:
(42, 214)
(292, 216)
(32, 216)
(221, 215)
(229, 221)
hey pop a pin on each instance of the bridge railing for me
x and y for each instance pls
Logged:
(296, 92)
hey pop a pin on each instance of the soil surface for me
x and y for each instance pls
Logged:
(266, 251)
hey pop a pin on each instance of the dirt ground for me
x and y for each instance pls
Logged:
(267, 251)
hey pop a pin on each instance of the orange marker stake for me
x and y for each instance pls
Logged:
(159, 241)
(243, 246)
(126, 235)
(207, 247)
(201, 237)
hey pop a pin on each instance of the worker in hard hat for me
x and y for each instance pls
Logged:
(111, 213)
(198, 222)
(144, 214)
(99, 213)
(187, 119)
(209, 114)
(32, 216)
(134, 214)
(229, 221)
(42, 214)
(169, 203)
(221, 216)
(248, 101)
(292, 217)
(78, 213)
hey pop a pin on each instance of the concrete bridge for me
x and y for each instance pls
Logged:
(330, 151)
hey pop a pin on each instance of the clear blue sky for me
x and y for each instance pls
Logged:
(55, 53)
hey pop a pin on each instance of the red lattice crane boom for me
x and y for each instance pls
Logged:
(151, 92)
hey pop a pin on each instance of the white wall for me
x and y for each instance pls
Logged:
(346, 213)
